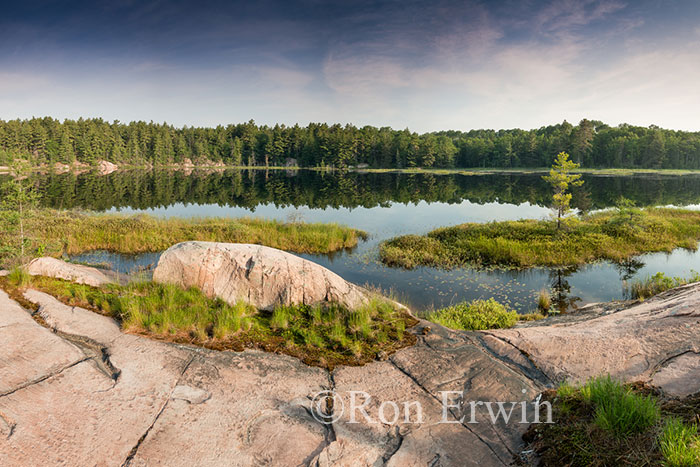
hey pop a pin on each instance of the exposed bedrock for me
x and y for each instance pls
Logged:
(76, 390)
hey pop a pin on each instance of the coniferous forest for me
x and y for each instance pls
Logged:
(591, 143)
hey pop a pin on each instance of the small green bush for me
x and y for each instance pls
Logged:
(680, 444)
(475, 315)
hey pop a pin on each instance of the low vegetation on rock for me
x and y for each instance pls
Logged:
(479, 315)
(604, 422)
(659, 282)
(614, 235)
(324, 336)
(53, 232)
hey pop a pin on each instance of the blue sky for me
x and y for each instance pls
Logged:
(423, 65)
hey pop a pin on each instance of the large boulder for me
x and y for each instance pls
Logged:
(52, 267)
(259, 275)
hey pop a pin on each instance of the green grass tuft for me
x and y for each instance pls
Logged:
(544, 301)
(19, 277)
(475, 315)
(680, 443)
(323, 335)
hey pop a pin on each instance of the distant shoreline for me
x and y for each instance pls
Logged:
(82, 168)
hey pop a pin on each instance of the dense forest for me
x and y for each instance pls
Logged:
(591, 143)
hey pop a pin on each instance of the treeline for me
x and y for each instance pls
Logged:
(591, 143)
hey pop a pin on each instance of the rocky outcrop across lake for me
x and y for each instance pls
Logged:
(76, 390)
(259, 275)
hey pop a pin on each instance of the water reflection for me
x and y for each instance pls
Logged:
(390, 204)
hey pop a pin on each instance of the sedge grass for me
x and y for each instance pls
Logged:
(322, 335)
(53, 233)
(604, 422)
(653, 285)
(610, 235)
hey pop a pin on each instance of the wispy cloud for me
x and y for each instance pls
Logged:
(447, 64)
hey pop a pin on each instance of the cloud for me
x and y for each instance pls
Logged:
(560, 16)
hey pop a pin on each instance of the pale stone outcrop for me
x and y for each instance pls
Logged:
(259, 275)
(106, 167)
(52, 267)
(657, 340)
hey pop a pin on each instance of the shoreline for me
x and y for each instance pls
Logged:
(82, 168)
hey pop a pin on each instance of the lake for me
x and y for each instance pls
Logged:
(386, 205)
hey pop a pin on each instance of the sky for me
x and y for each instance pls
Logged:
(427, 66)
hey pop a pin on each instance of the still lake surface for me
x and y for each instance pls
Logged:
(386, 205)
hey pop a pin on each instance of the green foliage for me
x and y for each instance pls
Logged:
(528, 243)
(475, 315)
(606, 423)
(561, 179)
(680, 444)
(19, 277)
(591, 143)
(619, 410)
(659, 282)
(566, 390)
(58, 232)
(18, 201)
(320, 335)
(544, 300)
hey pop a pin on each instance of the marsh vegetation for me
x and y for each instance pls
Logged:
(616, 235)
(55, 233)
(318, 335)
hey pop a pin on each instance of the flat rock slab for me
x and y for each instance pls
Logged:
(29, 352)
(680, 376)
(632, 344)
(52, 267)
(74, 320)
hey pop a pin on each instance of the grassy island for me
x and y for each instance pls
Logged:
(52, 233)
(613, 235)
(324, 336)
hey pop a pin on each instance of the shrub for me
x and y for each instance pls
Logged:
(475, 315)
(680, 444)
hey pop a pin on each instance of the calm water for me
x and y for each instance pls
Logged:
(386, 205)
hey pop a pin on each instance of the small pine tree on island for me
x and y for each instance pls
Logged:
(561, 179)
